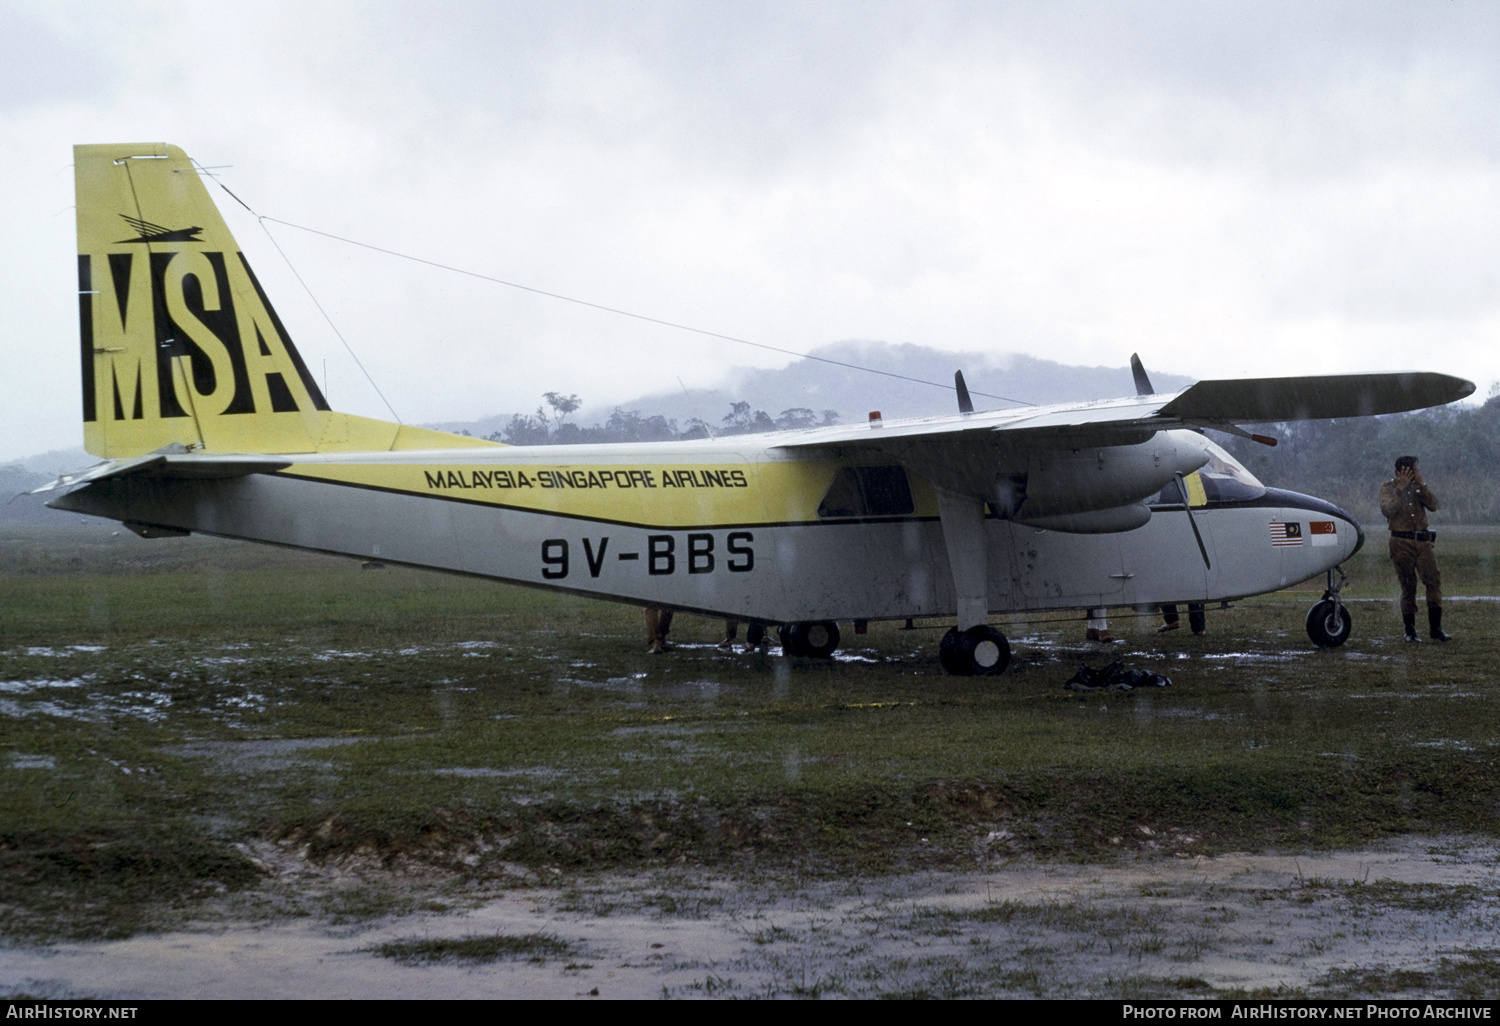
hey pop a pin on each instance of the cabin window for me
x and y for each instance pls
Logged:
(867, 492)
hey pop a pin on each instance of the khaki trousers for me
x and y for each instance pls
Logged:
(658, 623)
(1415, 559)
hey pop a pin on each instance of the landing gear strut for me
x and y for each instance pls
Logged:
(1328, 621)
(979, 651)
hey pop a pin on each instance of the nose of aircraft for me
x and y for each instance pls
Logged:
(1313, 504)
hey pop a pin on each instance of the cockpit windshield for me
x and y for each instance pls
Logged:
(1221, 479)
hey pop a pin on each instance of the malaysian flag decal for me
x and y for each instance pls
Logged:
(1286, 534)
(1323, 532)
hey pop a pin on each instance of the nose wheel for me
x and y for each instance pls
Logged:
(980, 651)
(1328, 621)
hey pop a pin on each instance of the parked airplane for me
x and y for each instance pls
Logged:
(208, 421)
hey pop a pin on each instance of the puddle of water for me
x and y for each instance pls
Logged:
(1190, 714)
(62, 650)
(25, 687)
(1259, 657)
(1276, 921)
(148, 705)
(258, 755)
(1426, 695)
(152, 707)
(538, 772)
(1446, 598)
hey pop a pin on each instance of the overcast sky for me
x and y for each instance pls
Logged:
(1231, 189)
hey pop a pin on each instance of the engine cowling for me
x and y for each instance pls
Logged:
(1103, 481)
(1098, 521)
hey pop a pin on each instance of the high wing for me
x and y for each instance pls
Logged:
(1215, 404)
(1086, 467)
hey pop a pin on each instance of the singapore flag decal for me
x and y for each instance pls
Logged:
(1323, 532)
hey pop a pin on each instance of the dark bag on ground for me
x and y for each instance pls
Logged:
(1114, 677)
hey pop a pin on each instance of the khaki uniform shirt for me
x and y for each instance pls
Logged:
(1406, 509)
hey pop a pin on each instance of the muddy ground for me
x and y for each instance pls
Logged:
(228, 773)
(1416, 917)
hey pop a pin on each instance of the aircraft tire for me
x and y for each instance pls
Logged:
(1326, 629)
(818, 639)
(948, 654)
(787, 633)
(979, 651)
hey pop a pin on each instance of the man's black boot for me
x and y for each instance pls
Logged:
(1409, 621)
(1435, 622)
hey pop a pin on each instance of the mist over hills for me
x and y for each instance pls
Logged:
(18, 477)
(818, 386)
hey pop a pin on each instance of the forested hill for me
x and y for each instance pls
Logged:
(1344, 461)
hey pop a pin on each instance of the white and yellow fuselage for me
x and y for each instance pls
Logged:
(734, 527)
(194, 392)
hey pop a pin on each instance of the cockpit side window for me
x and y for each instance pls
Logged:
(867, 492)
(1221, 479)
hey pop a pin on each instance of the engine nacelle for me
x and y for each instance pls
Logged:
(1098, 521)
(1097, 480)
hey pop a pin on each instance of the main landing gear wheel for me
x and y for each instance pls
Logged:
(979, 651)
(1329, 623)
(816, 638)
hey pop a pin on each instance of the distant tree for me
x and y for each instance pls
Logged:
(630, 426)
(738, 419)
(742, 420)
(696, 428)
(523, 430)
(562, 405)
(796, 417)
(549, 426)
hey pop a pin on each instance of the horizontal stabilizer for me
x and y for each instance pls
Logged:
(1259, 400)
(160, 465)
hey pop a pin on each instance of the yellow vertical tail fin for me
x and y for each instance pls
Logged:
(179, 342)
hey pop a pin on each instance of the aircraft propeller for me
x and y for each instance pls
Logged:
(965, 404)
(1143, 387)
(1142, 383)
(1192, 521)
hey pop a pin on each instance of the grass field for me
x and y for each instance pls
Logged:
(165, 703)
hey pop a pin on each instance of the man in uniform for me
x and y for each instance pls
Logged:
(1404, 502)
